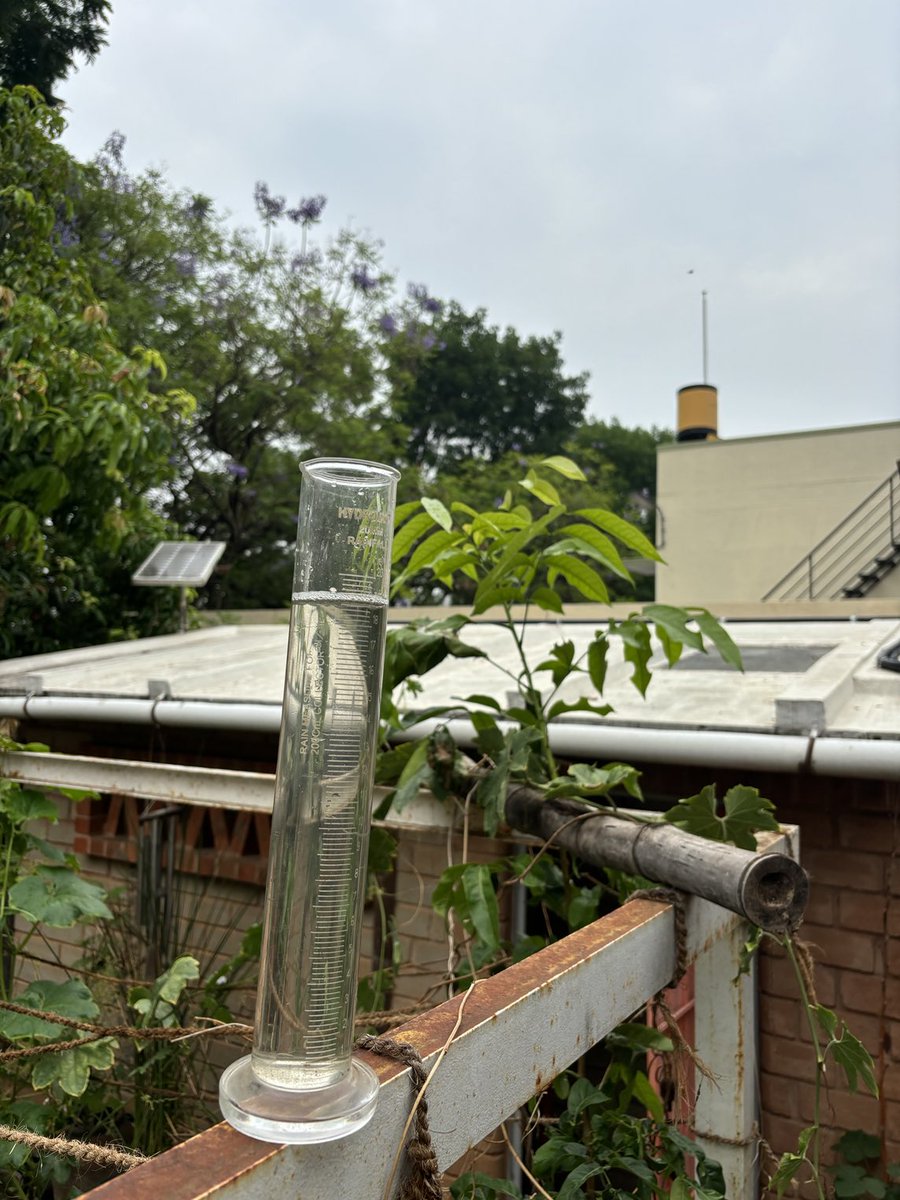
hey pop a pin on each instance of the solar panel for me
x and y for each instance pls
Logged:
(179, 564)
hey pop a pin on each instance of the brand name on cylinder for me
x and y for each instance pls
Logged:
(362, 514)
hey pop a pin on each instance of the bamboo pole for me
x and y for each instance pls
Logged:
(769, 890)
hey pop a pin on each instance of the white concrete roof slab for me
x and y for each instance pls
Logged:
(843, 693)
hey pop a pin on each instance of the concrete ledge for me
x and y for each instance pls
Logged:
(815, 698)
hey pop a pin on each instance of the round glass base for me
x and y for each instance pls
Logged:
(273, 1114)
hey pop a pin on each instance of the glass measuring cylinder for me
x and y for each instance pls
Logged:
(301, 1083)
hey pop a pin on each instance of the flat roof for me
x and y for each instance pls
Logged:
(801, 675)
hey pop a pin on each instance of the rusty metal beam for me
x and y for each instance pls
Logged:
(519, 1030)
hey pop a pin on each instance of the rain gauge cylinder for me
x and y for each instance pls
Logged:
(301, 1083)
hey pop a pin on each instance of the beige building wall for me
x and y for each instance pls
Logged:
(735, 515)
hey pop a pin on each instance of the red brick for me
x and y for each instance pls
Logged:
(893, 918)
(873, 834)
(822, 906)
(776, 977)
(786, 1057)
(892, 998)
(863, 910)
(779, 1015)
(778, 1095)
(853, 950)
(891, 1086)
(861, 993)
(892, 1123)
(863, 872)
(893, 956)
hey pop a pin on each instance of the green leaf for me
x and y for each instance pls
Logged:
(622, 530)
(541, 488)
(70, 999)
(583, 907)
(565, 467)
(788, 1166)
(582, 577)
(513, 547)
(58, 897)
(414, 775)
(27, 804)
(601, 546)
(596, 662)
(636, 648)
(484, 912)
(634, 1036)
(546, 599)
(849, 1052)
(22, 1114)
(745, 812)
(405, 538)
(438, 512)
(404, 511)
(852, 1180)
(172, 982)
(583, 705)
(585, 780)
(71, 1069)
(486, 701)
(857, 1146)
(417, 647)
(720, 638)
(491, 795)
(559, 664)
(428, 552)
(571, 1188)
(674, 622)
(497, 596)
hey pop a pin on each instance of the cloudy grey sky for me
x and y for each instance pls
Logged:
(566, 164)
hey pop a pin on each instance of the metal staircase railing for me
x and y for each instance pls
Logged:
(854, 556)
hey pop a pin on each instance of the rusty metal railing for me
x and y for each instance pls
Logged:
(519, 1030)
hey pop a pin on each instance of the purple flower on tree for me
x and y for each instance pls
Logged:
(237, 470)
(419, 293)
(388, 324)
(114, 146)
(269, 207)
(309, 210)
(428, 341)
(66, 234)
(309, 258)
(185, 264)
(360, 278)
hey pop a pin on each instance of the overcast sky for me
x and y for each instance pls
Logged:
(582, 165)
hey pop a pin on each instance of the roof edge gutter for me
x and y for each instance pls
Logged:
(860, 758)
(193, 714)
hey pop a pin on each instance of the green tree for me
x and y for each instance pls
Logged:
(39, 40)
(279, 340)
(83, 437)
(632, 455)
(485, 393)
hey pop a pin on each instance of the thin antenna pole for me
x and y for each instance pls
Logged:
(705, 339)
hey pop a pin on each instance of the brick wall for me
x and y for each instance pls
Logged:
(850, 845)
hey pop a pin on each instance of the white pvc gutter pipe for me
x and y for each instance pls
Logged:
(193, 714)
(859, 758)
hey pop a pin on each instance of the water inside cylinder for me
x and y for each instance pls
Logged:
(319, 841)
